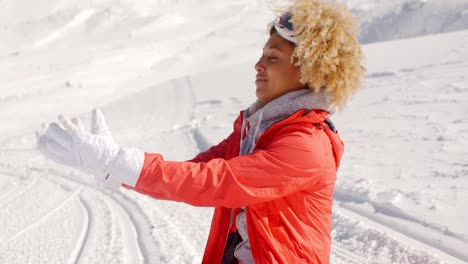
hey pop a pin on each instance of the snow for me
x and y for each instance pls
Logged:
(171, 76)
(387, 20)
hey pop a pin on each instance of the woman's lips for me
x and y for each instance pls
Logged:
(260, 79)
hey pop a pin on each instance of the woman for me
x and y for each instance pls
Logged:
(271, 181)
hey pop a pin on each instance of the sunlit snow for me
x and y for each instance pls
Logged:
(171, 76)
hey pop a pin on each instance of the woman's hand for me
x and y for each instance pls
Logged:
(96, 152)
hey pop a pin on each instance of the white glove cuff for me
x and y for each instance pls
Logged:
(126, 168)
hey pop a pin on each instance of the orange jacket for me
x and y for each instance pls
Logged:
(285, 185)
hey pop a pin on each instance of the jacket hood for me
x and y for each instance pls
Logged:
(259, 116)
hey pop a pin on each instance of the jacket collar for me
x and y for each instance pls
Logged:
(259, 117)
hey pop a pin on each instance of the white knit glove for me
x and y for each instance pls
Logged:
(95, 152)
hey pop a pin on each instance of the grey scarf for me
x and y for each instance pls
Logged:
(261, 116)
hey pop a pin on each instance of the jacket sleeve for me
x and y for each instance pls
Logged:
(290, 163)
(215, 152)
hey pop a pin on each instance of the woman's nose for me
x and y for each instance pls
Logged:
(259, 67)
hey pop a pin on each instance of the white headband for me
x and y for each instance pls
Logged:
(282, 30)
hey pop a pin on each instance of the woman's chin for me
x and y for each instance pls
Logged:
(258, 93)
(261, 96)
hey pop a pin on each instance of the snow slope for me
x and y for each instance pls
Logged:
(171, 76)
(386, 20)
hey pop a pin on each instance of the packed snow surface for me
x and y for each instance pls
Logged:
(171, 76)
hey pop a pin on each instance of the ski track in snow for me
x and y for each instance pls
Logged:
(34, 224)
(355, 230)
(341, 255)
(42, 219)
(134, 224)
(148, 244)
(125, 218)
(15, 192)
(36, 218)
(349, 203)
(81, 240)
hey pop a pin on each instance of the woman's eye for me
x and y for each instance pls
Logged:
(269, 58)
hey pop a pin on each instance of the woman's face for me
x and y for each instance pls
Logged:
(276, 75)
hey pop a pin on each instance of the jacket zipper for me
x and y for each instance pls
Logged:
(229, 228)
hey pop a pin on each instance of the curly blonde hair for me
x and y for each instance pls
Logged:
(327, 48)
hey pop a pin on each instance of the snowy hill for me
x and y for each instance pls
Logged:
(172, 75)
(386, 20)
